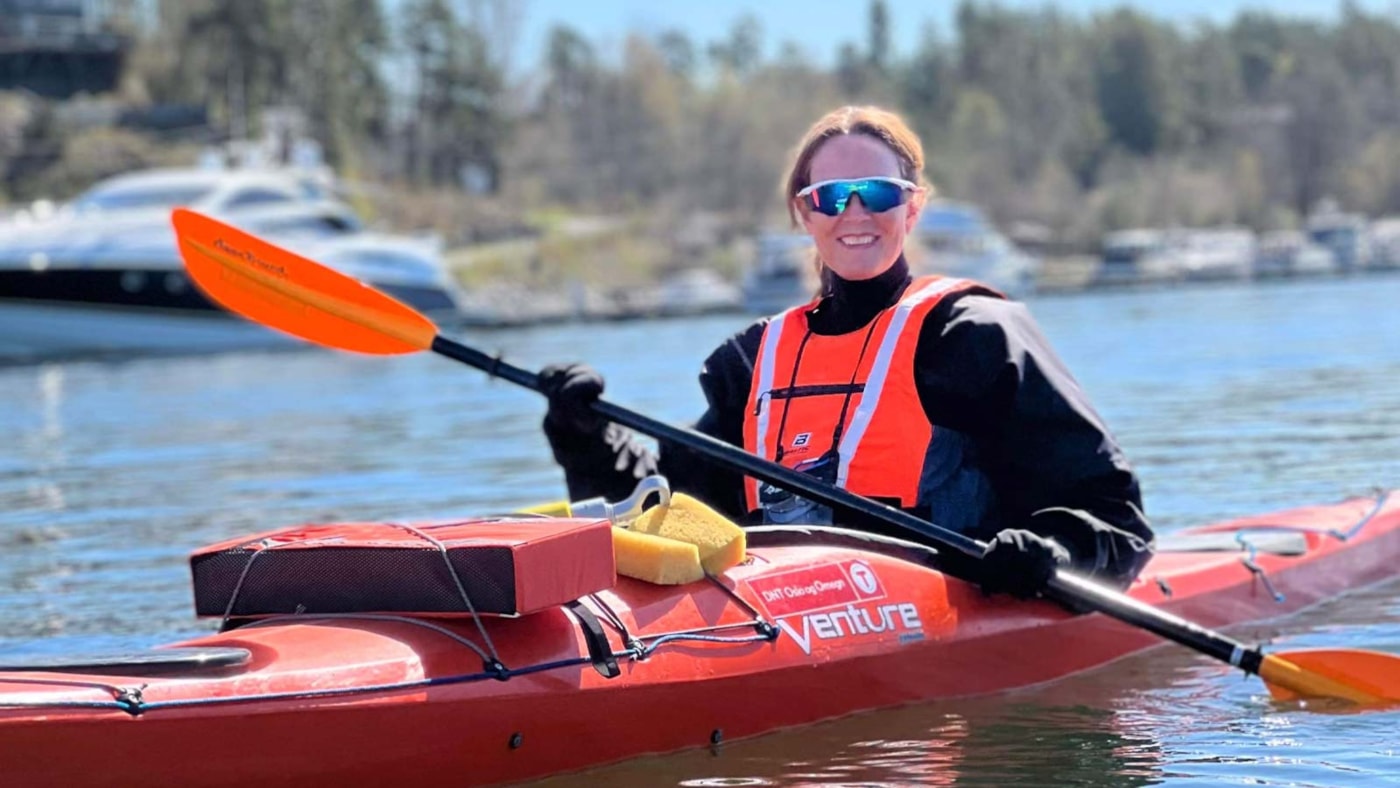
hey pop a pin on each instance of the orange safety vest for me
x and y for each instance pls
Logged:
(803, 382)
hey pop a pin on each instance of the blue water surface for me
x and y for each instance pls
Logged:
(1229, 400)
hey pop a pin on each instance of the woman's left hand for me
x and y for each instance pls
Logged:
(1020, 563)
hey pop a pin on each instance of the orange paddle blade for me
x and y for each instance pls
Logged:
(1366, 677)
(282, 290)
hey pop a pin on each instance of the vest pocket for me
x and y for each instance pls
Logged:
(781, 507)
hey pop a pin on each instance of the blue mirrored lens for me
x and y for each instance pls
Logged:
(876, 196)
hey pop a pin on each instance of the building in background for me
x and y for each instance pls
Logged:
(59, 48)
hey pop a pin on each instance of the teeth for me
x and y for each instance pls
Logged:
(856, 240)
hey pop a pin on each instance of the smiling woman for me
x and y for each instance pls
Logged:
(935, 395)
(855, 193)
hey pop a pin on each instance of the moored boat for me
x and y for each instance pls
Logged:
(1288, 253)
(781, 275)
(1346, 235)
(816, 624)
(103, 274)
(956, 239)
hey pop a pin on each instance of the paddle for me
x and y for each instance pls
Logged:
(297, 296)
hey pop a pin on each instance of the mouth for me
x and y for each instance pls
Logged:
(856, 241)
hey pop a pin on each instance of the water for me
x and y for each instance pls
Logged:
(1229, 400)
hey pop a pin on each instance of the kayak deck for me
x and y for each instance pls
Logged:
(800, 632)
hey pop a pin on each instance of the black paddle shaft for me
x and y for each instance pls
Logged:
(1064, 587)
(727, 454)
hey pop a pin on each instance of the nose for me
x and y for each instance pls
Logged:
(852, 203)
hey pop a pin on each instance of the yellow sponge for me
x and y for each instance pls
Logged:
(656, 559)
(685, 519)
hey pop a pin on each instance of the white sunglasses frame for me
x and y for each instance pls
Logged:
(906, 185)
(910, 185)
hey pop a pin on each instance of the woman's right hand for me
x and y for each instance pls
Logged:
(572, 389)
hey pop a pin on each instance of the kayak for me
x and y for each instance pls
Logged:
(815, 624)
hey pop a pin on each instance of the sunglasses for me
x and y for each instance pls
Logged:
(878, 194)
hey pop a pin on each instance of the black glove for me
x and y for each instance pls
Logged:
(572, 389)
(1020, 562)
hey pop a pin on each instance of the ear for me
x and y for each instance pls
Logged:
(913, 208)
(804, 214)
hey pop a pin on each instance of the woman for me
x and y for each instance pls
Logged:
(932, 394)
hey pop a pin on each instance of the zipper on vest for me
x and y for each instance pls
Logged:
(758, 406)
(817, 390)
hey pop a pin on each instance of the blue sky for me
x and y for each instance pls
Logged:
(821, 26)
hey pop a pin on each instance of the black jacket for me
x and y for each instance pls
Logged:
(1016, 432)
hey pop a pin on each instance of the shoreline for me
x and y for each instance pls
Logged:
(504, 304)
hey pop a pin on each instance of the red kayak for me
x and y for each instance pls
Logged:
(816, 624)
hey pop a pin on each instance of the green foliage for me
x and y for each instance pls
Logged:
(1372, 177)
(1139, 86)
(742, 51)
(1079, 123)
(879, 54)
(458, 122)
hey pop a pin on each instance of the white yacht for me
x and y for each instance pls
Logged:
(782, 274)
(696, 291)
(956, 239)
(1347, 235)
(1215, 254)
(103, 274)
(1287, 253)
(1132, 256)
(1385, 243)
(1145, 256)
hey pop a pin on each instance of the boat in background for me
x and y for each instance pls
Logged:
(1287, 253)
(1214, 254)
(103, 274)
(1123, 255)
(956, 239)
(1346, 235)
(1145, 256)
(1385, 243)
(696, 291)
(782, 274)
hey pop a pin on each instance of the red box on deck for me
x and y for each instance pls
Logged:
(502, 566)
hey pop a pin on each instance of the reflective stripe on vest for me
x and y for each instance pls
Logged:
(886, 432)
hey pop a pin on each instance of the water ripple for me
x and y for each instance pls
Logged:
(1229, 401)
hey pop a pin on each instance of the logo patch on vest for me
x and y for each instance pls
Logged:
(801, 440)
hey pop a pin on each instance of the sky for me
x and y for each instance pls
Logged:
(822, 26)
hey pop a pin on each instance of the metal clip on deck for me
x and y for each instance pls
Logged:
(628, 509)
(1253, 566)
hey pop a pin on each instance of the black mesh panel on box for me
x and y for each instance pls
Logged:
(354, 580)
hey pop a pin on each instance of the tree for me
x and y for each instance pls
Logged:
(457, 125)
(852, 71)
(334, 79)
(1215, 89)
(678, 52)
(1138, 96)
(925, 85)
(1257, 40)
(879, 55)
(232, 52)
(1323, 126)
(570, 66)
(1368, 48)
(742, 51)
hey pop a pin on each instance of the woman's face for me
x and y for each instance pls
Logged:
(858, 244)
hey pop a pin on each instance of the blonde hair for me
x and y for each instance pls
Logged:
(883, 125)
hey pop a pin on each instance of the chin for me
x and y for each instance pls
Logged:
(856, 271)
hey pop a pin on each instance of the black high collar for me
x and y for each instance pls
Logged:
(850, 304)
